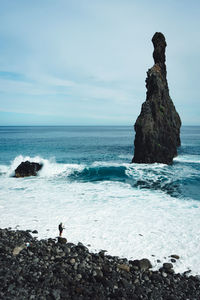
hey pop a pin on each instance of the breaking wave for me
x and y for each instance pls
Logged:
(177, 180)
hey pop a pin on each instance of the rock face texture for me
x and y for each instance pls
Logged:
(158, 125)
(27, 168)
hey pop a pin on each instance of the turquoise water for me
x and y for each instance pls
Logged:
(66, 144)
(89, 145)
(88, 183)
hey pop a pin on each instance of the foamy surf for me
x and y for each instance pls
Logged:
(50, 167)
(126, 222)
(195, 159)
(130, 210)
(161, 177)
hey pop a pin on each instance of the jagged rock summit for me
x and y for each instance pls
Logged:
(158, 125)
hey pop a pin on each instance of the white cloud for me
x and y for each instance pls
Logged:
(96, 53)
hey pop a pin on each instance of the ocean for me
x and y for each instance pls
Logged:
(88, 183)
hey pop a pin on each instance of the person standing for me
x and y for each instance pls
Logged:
(60, 228)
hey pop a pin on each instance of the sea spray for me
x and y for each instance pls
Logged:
(103, 200)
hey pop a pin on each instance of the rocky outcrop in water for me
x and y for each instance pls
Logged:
(158, 125)
(27, 168)
(47, 269)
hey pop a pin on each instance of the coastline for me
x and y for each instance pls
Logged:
(56, 269)
(131, 210)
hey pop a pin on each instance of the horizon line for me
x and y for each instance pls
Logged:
(89, 125)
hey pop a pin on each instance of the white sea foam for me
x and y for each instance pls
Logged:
(107, 215)
(139, 171)
(108, 164)
(50, 167)
(3, 169)
(188, 159)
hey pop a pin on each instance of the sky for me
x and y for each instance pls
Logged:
(84, 62)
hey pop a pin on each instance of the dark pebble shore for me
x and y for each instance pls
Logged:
(54, 269)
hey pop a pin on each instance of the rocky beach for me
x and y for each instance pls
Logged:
(57, 269)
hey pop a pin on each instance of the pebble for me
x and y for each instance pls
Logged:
(175, 256)
(55, 269)
(72, 261)
(124, 267)
(164, 274)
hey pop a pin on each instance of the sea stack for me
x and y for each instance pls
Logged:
(158, 125)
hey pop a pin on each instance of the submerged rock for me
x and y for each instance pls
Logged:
(158, 125)
(27, 168)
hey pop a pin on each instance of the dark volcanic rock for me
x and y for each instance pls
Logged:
(142, 264)
(175, 256)
(145, 264)
(62, 240)
(46, 269)
(158, 125)
(27, 168)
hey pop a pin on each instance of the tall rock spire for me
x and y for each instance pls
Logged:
(159, 44)
(158, 125)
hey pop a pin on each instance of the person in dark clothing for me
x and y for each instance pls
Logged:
(60, 228)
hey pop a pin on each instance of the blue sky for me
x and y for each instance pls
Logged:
(84, 62)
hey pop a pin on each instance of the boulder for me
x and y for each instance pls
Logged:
(145, 264)
(142, 264)
(27, 168)
(158, 125)
(62, 240)
(167, 266)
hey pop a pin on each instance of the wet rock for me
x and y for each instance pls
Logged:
(144, 264)
(167, 266)
(50, 270)
(175, 256)
(27, 168)
(35, 231)
(102, 253)
(62, 240)
(135, 263)
(158, 125)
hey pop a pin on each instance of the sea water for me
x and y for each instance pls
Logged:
(88, 183)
